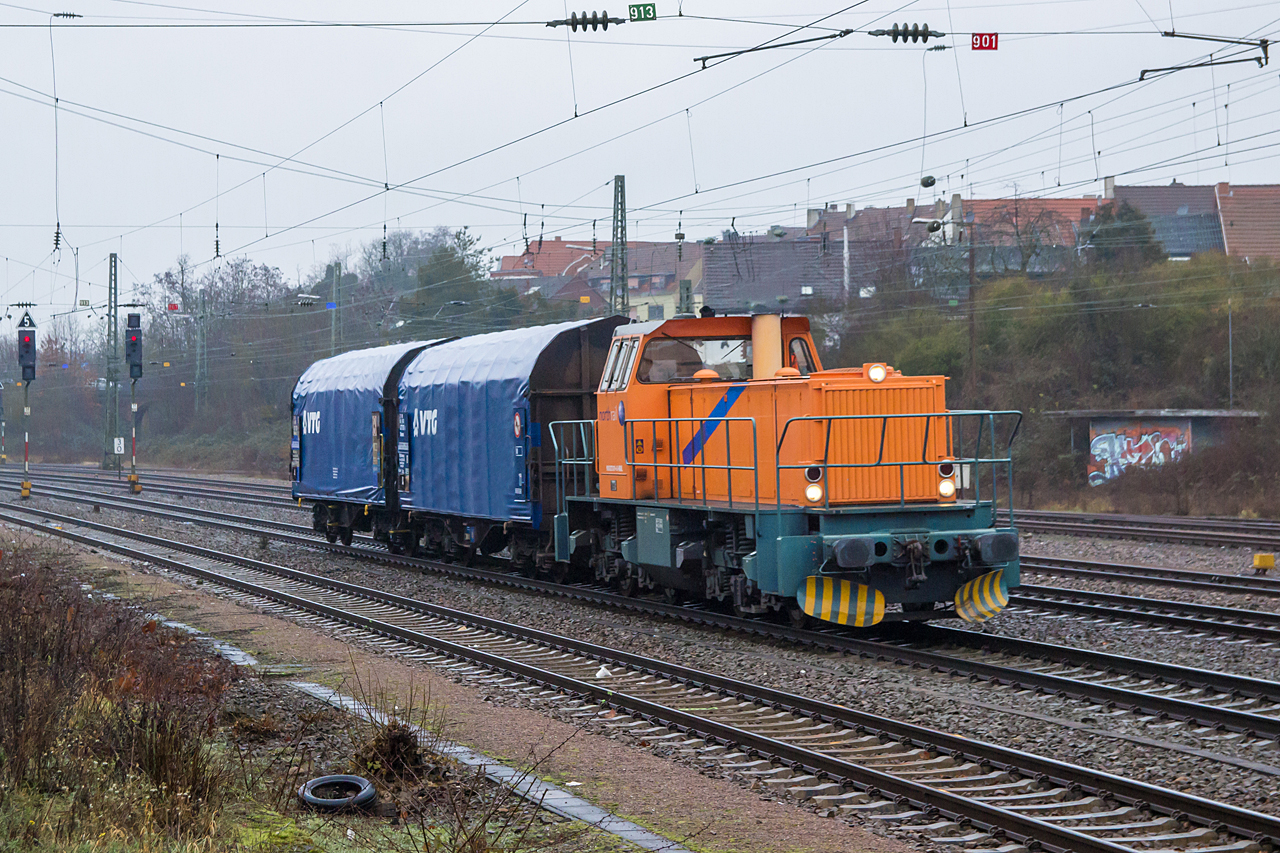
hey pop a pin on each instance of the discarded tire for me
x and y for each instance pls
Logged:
(336, 793)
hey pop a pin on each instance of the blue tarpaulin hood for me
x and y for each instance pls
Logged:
(459, 401)
(335, 400)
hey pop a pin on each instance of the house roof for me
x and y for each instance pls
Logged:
(1049, 221)
(1001, 221)
(1184, 218)
(1173, 199)
(558, 257)
(739, 274)
(1250, 219)
(1183, 236)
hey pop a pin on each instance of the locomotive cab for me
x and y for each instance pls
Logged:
(731, 465)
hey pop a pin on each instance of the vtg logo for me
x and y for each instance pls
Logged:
(310, 423)
(425, 422)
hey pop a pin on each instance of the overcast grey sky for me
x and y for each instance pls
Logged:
(474, 125)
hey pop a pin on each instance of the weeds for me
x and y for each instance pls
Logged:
(105, 714)
(437, 804)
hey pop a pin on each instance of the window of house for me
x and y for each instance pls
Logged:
(657, 312)
(806, 290)
(678, 359)
(801, 359)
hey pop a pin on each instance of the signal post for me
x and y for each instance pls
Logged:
(27, 360)
(133, 355)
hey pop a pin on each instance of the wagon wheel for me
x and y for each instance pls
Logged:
(560, 572)
(345, 534)
(330, 534)
(628, 584)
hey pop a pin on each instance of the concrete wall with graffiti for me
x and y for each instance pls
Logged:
(1116, 444)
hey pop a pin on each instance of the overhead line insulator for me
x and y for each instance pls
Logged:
(594, 20)
(909, 32)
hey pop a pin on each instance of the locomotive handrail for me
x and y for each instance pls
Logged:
(955, 436)
(584, 465)
(678, 492)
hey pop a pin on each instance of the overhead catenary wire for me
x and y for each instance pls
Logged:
(1095, 149)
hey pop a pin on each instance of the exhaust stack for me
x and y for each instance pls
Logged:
(766, 345)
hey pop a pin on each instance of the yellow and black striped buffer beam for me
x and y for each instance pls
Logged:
(842, 602)
(982, 597)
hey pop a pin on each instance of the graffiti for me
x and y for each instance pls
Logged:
(1116, 445)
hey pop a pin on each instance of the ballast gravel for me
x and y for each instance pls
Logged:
(1083, 733)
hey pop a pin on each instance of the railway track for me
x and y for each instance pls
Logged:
(1221, 582)
(1194, 619)
(282, 501)
(1263, 535)
(954, 789)
(169, 476)
(1205, 701)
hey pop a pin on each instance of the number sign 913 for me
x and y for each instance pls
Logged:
(643, 11)
(986, 41)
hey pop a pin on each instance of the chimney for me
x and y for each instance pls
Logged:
(911, 208)
(957, 208)
(848, 211)
(813, 214)
(1109, 187)
(938, 209)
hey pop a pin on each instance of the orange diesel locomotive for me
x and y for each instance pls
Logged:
(726, 464)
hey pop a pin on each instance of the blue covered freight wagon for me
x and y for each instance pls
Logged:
(343, 451)
(474, 414)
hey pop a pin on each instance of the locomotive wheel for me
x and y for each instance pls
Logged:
(394, 546)
(628, 585)
(672, 596)
(345, 534)
(796, 617)
(330, 534)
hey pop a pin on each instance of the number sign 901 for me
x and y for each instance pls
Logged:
(986, 41)
(643, 11)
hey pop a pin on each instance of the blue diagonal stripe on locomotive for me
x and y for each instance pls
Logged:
(713, 420)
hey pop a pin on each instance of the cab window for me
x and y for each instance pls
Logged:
(610, 362)
(615, 379)
(801, 359)
(678, 359)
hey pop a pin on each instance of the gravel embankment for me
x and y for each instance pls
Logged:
(1043, 724)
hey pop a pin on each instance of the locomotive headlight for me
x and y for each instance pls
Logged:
(877, 372)
(946, 488)
(813, 492)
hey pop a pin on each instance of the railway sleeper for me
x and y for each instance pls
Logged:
(1144, 827)
(938, 829)
(970, 785)
(1010, 800)
(835, 801)
(1127, 813)
(974, 838)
